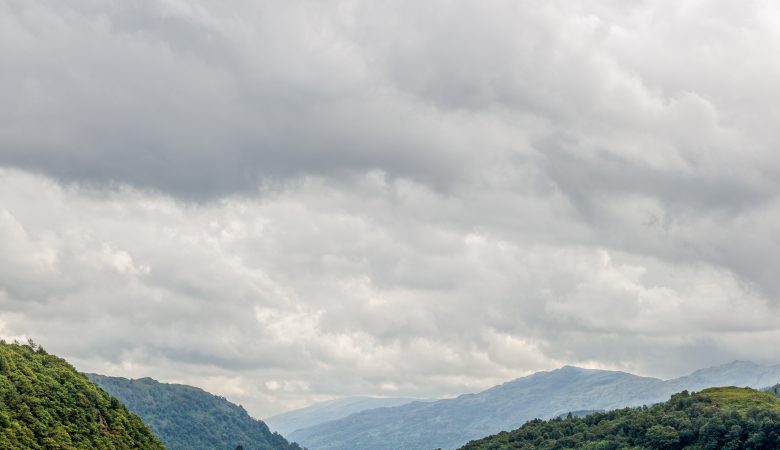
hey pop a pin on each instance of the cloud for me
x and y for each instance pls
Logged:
(183, 100)
(322, 290)
(202, 100)
(308, 200)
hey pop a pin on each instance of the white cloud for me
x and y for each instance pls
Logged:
(317, 291)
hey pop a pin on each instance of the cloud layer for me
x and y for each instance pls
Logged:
(290, 202)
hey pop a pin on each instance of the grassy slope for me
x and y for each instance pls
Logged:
(45, 403)
(741, 400)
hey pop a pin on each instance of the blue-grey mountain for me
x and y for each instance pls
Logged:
(451, 423)
(321, 412)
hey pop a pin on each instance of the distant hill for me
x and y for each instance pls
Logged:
(188, 418)
(451, 423)
(321, 412)
(46, 404)
(737, 373)
(716, 418)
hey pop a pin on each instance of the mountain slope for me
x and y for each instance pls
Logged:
(717, 418)
(45, 403)
(188, 418)
(737, 373)
(321, 412)
(451, 423)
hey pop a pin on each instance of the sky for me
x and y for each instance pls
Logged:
(285, 202)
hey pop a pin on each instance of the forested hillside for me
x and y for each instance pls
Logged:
(188, 418)
(717, 418)
(46, 404)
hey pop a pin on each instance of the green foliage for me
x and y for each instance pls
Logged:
(717, 418)
(46, 404)
(741, 400)
(188, 418)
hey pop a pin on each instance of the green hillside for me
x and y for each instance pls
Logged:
(188, 418)
(717, 418)
(46, 404)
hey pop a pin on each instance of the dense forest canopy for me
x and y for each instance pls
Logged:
(46, 404)
(187, 418)
(717, 418)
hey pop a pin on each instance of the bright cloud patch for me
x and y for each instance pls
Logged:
(315, 291)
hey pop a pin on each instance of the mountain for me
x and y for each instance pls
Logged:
(450, 423)
(716, 418)
(321, 412)
(45, 403)
(737, 373)
(188, 418)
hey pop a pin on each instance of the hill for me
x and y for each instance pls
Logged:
(188, 418)
(321, 412)
(737, 373)
(450, 423)
(45, 403)
(716, 418)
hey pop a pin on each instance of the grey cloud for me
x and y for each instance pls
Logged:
(390, 197)
(133, 98)
(200, 101)
(310, 293)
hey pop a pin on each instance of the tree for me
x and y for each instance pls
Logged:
(662, 437)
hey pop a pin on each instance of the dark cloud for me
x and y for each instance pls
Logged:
(173, 99)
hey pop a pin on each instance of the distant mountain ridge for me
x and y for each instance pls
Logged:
(774, 390)
(322, 412)
(189, 418)
(451, 423)
(746, 372)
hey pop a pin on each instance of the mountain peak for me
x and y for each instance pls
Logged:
(572, 368)
(452, 422)
(583, 370)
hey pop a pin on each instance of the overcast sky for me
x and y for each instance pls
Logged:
(283, 202)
